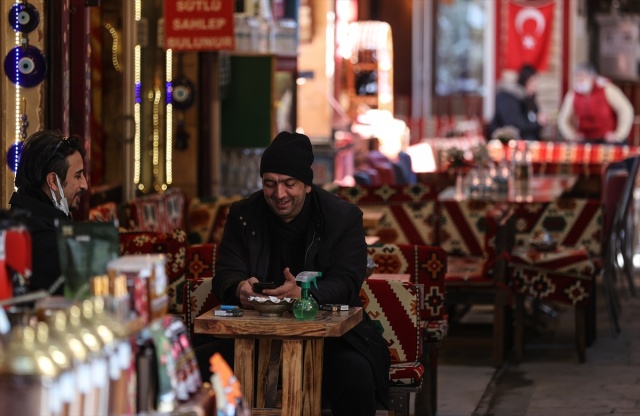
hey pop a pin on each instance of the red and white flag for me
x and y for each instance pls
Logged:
(529, 35)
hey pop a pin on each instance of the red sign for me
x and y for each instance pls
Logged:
(529, 35)
(198, 25)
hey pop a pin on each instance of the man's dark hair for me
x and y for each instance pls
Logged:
(43, 152)
(526, 72)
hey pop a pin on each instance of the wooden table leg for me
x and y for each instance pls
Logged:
(312, 379)
(581, 332)
(268, 368)
(243, 357)
(292, 377)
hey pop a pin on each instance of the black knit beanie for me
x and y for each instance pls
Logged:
(289, 154)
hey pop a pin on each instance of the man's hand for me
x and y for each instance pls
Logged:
(289, 288)
(245, 290)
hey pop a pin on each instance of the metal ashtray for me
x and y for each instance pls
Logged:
(544, 242)
(271, 305)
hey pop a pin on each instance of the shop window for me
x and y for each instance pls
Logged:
(459, 55)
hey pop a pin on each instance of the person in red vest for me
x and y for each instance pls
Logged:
(596, 111)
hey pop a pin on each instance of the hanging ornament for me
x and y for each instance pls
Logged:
(25, 66)
(13, 156)
(15, 150)
(23, 17)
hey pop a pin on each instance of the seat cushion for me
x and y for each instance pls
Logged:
(406, 374)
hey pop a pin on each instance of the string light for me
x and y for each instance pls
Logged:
(114, 47)
(157, 95)
(136, 107)
(18, 125)
(169, 120)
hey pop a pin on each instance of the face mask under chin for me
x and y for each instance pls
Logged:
(63, 204)
(583, 87)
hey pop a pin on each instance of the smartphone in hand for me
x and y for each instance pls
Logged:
(259, 286)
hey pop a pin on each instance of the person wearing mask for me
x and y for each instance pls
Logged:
(596, 111)
(292, 226)
(50, 181)
(516, 105)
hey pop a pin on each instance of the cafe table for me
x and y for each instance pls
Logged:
(538, 189)
(302, 348)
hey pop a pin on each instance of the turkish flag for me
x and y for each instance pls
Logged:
(529, 35)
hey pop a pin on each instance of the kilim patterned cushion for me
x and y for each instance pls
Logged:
(408, 211)
(394, 307)
(174, 246)
(464, 229)
(564, 275)
(571, 221)
(146, 213)
(198, 294)
(174, 207)
(426, 265)
(205, 219)
(107, 212)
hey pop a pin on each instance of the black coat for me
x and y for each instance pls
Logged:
(335, 246)
(44, 245)
(515, 108)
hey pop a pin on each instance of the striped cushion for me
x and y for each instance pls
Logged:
(409, 211)
(394, 307)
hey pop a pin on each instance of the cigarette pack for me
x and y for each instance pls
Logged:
(230, 312)
(335, 307)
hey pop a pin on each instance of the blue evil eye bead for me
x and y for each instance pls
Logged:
(183, 93)
(25, 66)
(13, 156)
(23, 17)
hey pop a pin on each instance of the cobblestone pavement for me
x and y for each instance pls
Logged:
(551, 381)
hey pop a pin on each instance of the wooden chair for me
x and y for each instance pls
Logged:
(200, 263)
(425, 266)
(477, 236)
(395, 308)
(619, 241)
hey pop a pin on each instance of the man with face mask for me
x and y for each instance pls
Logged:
(50, 181)
(596, 111)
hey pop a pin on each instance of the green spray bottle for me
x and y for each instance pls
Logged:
(306, 308)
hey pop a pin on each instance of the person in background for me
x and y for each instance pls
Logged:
(595, 111)
(50, 181)
(516, 105)
(293, 226)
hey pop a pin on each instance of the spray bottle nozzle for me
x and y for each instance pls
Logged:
(305, 279)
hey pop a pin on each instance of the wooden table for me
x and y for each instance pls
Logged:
(302, 341)
(540, 189)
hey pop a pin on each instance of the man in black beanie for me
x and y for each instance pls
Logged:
(292, 226)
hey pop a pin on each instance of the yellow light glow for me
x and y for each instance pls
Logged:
(156, 130)
(138, 10)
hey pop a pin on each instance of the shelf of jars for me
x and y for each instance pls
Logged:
(114, 350)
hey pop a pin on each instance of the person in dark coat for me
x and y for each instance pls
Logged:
(50, 181)
(293, 226)
(516, 105)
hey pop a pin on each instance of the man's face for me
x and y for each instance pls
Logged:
(75, 184)
(284, 195)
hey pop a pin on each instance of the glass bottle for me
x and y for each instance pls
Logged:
(28, 376)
